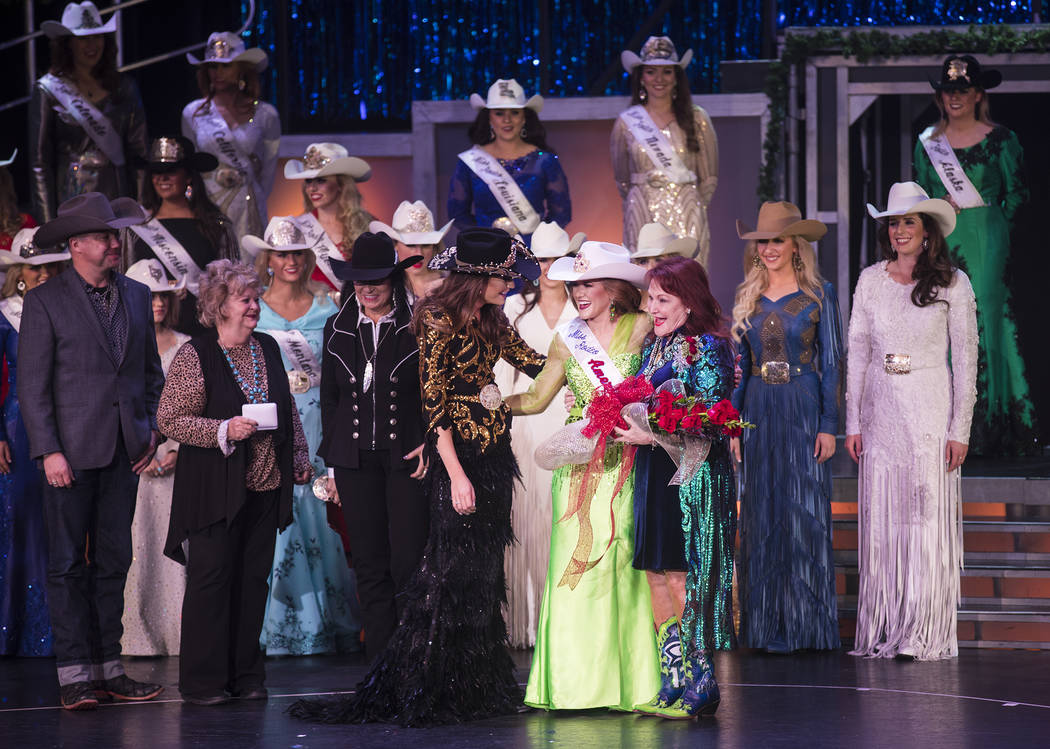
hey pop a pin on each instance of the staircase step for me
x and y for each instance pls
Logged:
(974, 612)
(849, 523)
(984, 489)
(1018, 560)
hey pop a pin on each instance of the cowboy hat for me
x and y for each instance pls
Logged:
(963, 71)
(151, 273)
(283, 234)
(325, 160)
(88, 213)
(485, 251)
(79, 19)
(656, 240)
(781, 219)
(551, 241)
(24, 249)
(507, 93)
(373, 258)
(176, 152)
(225, 47)
(597, 260)
(908, 197)
(657, 50)
(9, 161)
(413, 223)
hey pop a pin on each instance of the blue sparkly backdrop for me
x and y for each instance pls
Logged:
(359, 65)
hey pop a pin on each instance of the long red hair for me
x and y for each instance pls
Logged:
(686, 279)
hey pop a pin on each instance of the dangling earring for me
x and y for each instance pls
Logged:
(796, 262)
(674, 94)
(925, 244)
(492, 133)
(21, 286)
(643, 95)
(612, 313)
(524, 133)
(269, 272)
(756, 261)
(242, 84)
(189, 192)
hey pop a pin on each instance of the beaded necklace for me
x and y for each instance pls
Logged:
(253, 392)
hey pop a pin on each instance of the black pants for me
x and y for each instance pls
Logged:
(387, 521)
(89, 552)
(222, 612)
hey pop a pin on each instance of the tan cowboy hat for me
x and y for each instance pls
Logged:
(88, 213)
(24, 249)
(79, 19)
(413, 223)
(597, 260)
(225, 47)
(283, 234)
(656, 240)
(326, 160)
(908, 197)
(781, 219)
(507, 93)
(151, 273)
(550, 240)
(657, 50)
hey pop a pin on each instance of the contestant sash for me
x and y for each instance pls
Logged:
(322, 245)
(656, 145)
(11, 307)
(214, 136)
(593, 360)
(170, 252)
(95, 124)
(503, 187)
(297, 351)
(948, 168)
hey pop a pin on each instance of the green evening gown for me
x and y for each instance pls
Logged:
(1004, 419)
(595, 645)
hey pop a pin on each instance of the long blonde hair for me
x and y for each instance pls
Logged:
(303, 285)
(352, 216)
(982, 112)
(756, 280)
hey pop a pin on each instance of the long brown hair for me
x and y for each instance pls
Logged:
(480, 130)
(681, 104)
(10, 216)
(105, 70)
(625, 297)
(686, 279)
(210, 218)
(933, 270)
(249, 91)
(456, 297)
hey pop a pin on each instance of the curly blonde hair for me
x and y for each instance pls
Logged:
(756, 280)
(221, 280)
(352, 216)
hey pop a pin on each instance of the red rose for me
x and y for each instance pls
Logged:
(722, 412)
(734, 431)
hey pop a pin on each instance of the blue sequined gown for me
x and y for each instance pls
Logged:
(786, 566)
(539, 176)
(25, 628)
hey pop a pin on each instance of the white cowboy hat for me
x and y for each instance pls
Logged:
(550, 240)
(24, 250)
(507, 93)
(325, 160)
(225, 47)
(908, 197)
(79, 19)
(151, 273)
(598, 260)
(9, 161)
(283, 234)
(656, 240)
(657, 50)
(413, 223)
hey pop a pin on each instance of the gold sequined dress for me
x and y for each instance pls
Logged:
(648, 195)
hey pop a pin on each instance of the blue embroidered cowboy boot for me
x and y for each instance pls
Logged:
(672, 681)
(701, 695)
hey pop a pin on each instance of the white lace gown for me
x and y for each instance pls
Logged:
(525, 562)
(910, 531)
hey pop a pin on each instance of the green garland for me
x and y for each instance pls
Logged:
(864, 46)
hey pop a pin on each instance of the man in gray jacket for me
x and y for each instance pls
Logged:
(89, 382)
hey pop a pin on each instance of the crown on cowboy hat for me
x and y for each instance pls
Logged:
(283, 234)
(24, 249)
(909, 197)
(657, 50)
(225, 47)
(963, 71)
(656, 240)
(484, 251)
(325, 160)
(373, 258)
(551, 241)
(174, 151)
(597, 260)
(781, 219)
(151, 273)
(88, 213)
(507, 93)
(413, 223)
(79, 19)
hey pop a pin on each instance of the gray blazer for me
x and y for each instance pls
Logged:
(76, 398)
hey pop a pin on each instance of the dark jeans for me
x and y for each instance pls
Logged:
(89, 552)
(222, 611)
(388, 522)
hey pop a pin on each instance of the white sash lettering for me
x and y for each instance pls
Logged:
(948, 168)
(323, 246)
(11, 307)
(95, 124)
(506, 191)
(170, 252)
(587, 350)
(656, 145)
(297, 351)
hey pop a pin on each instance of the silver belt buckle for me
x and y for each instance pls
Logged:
(298, 381)
(897, 363)
(490, 396)
(776, 373)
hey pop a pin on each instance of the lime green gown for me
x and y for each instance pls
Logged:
(595, 645)
(1003, 420)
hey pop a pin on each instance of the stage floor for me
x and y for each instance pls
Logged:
(985, 698)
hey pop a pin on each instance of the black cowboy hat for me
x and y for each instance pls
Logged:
(963, 71)
(88, 213)
(488, 252)
(175, 152)
(374, 258)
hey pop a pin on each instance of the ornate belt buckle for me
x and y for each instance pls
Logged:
(657, 181)
(320, 488)
(490, 396)
(897, 363)
(776, 373)
(298, 381)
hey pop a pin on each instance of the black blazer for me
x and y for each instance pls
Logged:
(387, 417)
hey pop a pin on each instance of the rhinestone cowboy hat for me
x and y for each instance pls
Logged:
(282, 234)
(413, 223)
(960, 72)
(908, 197)
(176, 152)
(483, 251)
(24, 249)
(79, 19)
(325, 160)
(507, 93)
(656, 240)
(551, 241)
(781, 219)
(224, 47)
(657, 50)
(89, 212)
(597, 260)
(151, 273)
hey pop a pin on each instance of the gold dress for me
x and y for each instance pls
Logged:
(649, 197)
